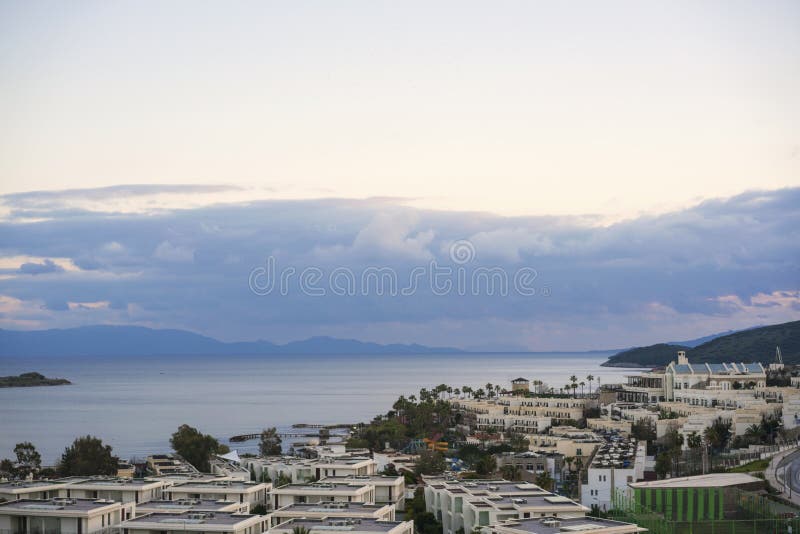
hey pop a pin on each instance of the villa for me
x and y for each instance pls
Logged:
(63, 515)
(472, 504)
(349, 525)
(252, 493)
(322, 491)
(329, 510)
(197, 523)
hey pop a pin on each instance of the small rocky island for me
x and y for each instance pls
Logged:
(28, 380)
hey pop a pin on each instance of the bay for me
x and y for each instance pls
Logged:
(134, 404)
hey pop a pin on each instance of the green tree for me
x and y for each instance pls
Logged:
(545, 481)
(87, 456)
(282, 480)
(663, 464)
(195, 447)
(487, 465)
(644, 429)
(28, 459)
(270, 444)
(390, 470)
(511, 472)
(430, 463)
(300, 530)
(259, 509)
(7, 468)
(718, 434)
(519, 443)
(424, 521)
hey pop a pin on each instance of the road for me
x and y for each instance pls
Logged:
(789, 467)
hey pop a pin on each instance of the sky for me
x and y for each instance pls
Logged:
(639, 162)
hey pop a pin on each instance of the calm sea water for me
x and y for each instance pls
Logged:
(134, 405)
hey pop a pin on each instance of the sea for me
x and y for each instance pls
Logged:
(135, 404)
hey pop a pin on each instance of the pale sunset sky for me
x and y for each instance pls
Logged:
(642, 156)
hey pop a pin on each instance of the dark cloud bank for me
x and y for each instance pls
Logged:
(722, 264)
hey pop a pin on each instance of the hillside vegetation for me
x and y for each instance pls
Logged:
(754, 345)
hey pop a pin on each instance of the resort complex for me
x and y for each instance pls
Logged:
(671, 449)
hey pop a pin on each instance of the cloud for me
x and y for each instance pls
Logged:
(45, 267)
(174, 253)
(725, 263)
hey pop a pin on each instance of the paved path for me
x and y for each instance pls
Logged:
(784, 474)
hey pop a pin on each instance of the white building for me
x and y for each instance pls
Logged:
(791, 414)
(272, 468)
(66, 516)
(322, 491)
(29, 489)
(329, 510)
(347, 524)
(180, 506)
(388, 489)
(197, 523)
(169, 464)
(327, 463)
(668, 385)
(615, 465)
(138, 490)
(253, 493)
(478, 503)
(557, 525)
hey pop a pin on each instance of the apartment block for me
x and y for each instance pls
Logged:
(473, 504)
(63, 515)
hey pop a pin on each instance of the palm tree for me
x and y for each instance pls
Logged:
(545, 481)
(457, 392)
(590, 378)
(582, 384)
(694, 440)
(300, 530)
(574, 380)
(567, 388)
(536, 384)
(511, 472)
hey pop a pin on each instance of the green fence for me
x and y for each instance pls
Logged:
(701, 511)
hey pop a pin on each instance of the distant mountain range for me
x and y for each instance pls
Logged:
(755, 344)
(751, 345)
(115, 341)
(705, 339)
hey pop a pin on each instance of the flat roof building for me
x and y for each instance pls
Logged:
(388, 489)
(136, 490)
(67, 516)
(328, 510)
(179, 506)
(554, 525)
(253, 493)
(323, 491)
(472, 504)
(349, 525)
(24, 489)
(197, 522)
